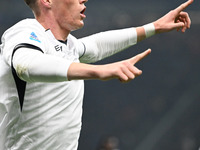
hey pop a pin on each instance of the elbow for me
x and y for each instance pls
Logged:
(22, 72)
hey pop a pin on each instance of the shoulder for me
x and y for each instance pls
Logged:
(26, 31)
(23, 26)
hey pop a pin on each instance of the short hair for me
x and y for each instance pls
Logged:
(33, 5)
(30, 3)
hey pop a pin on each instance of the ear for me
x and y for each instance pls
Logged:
(46, 3)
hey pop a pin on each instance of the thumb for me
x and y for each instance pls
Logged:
(140, 56)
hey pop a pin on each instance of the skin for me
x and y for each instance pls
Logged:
(62, 17)
(68, 15)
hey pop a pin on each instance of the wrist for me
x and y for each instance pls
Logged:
(149, 29)
(158, 27)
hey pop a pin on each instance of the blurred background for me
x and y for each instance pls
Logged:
(158, 110)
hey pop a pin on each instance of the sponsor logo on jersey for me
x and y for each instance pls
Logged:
(58, 48)
(34, 37)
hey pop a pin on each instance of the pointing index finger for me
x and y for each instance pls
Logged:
(184, 5)
(140, 56)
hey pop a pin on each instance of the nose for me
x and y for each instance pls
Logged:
(83, 1)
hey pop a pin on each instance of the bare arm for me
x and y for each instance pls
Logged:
(123, 70)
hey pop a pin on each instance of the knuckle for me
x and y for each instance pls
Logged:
(171, 11)
(125, 63)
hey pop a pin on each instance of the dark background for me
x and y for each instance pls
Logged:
(158, 110)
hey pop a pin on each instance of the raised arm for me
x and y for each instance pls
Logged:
(176, 19)
(105, 44)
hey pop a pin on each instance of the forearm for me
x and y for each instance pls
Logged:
(145, 31)
(122, 70)
(83, 71)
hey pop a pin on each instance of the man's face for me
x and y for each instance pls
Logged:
(69, 13)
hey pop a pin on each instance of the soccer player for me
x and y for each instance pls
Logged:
(43, 67)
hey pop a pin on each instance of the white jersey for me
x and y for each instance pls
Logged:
(51, 114)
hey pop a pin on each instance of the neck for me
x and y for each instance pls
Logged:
(49, 23)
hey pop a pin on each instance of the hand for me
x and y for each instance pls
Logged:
(125, 70)
(175, 19)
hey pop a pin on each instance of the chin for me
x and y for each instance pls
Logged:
(81, 25)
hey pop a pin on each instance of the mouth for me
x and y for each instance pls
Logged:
(82, 13)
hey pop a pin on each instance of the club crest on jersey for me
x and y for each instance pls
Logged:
(34, 37)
